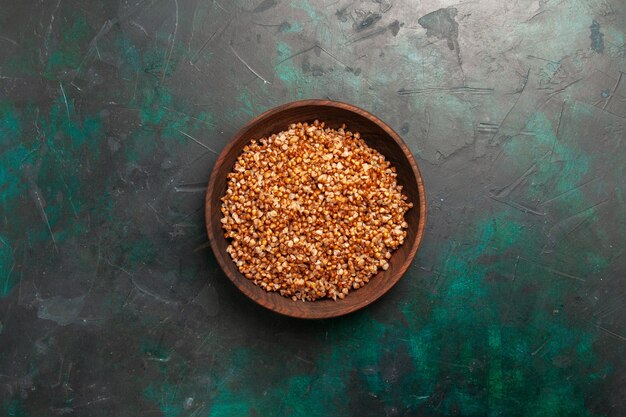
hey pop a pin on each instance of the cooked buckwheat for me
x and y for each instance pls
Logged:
(312, 212)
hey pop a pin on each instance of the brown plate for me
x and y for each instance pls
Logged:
(378, 136)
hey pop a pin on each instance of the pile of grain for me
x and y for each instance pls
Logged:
(312, 212)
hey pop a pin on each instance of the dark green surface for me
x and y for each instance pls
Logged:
(111, 114)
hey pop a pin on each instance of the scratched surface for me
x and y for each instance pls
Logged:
(111, 115)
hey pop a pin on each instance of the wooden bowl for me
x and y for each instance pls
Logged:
(378, 136)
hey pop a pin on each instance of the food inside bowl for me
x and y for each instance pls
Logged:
(313, 212)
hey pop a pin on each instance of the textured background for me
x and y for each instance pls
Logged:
(111, 114)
